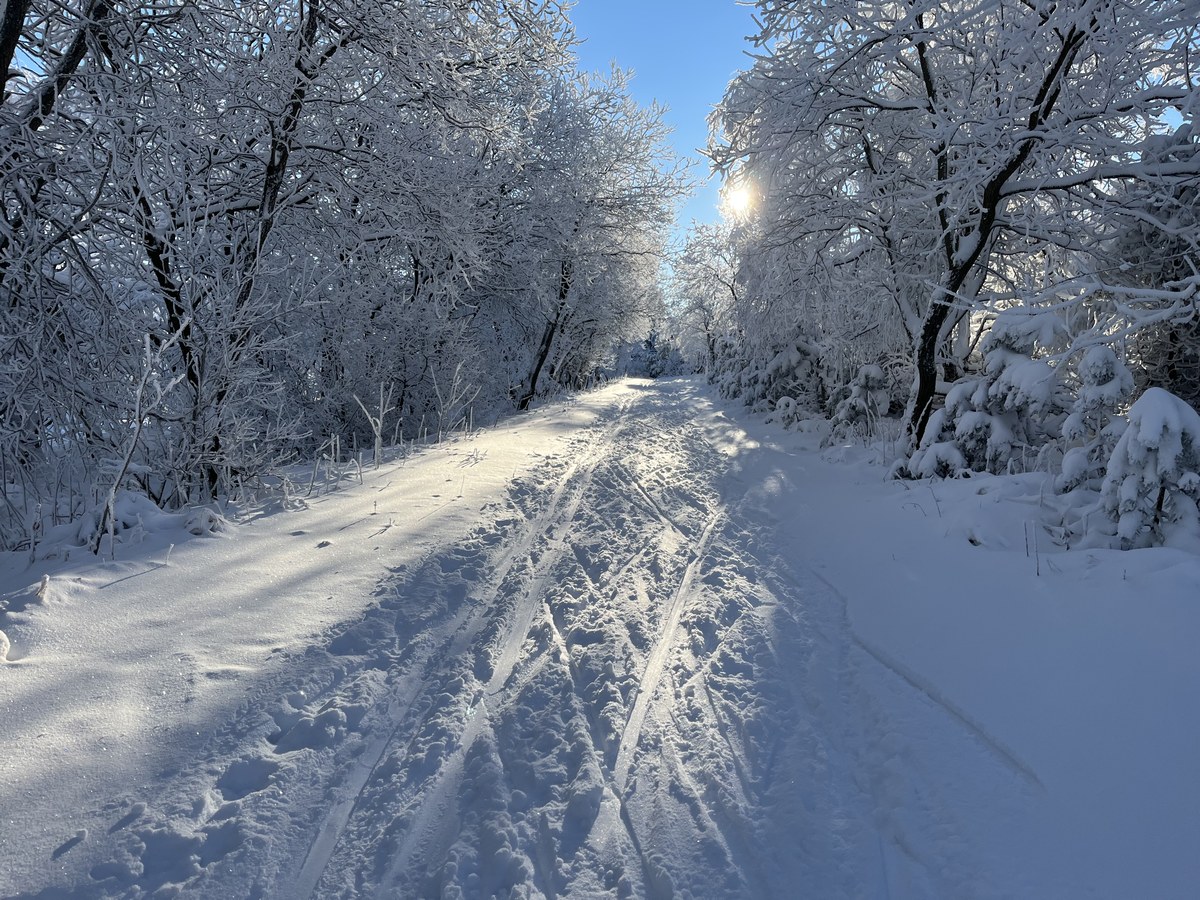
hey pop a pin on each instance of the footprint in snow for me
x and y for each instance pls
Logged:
(324, 544)
(313, 733)
(135, 813)
(70, 844)
(246, 776)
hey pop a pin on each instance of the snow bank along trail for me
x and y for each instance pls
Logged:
(612, 685)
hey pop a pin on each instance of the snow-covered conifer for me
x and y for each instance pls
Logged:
(1093, 427)
(865, 404)
(995, 419)
(1153, 481)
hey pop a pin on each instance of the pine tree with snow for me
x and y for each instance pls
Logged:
(990, 420)
(1094, 426)
(1153, 481)
(866, 402)
(780, 378)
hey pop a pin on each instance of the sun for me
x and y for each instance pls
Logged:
(737, 201)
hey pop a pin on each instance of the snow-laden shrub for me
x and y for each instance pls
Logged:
(991, 421)
(654, 357)
(204, 520)
(787, 411)
(937, 459)
(1094, 426)
(762, 380)
(133, 514)
(133, 518)
(1153, 480)
(867, 400)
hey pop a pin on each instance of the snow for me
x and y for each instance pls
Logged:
(638, 644)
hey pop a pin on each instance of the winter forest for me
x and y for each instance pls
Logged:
(991, 202)
(238, 235)
(401, 497)
(241, 235)
(235, 233)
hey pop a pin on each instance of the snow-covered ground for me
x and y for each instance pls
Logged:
(635, 645)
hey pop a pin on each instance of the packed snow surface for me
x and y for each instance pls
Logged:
(636, 645)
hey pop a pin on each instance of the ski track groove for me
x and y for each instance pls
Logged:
(745, 788)
(607, 578)
(630, 479)
(438, 797)
(614, 806)
(460, 637)
(734, 839)
(657, 659)
(829, 623)
(614, 803)
(319, 852)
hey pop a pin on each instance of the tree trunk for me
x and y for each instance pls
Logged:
(12, 17)
(926, 378)
(274, 173)
(539, 361)
(543, 352)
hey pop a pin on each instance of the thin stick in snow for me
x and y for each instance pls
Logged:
(376, 421)
(312, 483)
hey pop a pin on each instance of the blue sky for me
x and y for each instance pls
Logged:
(683, 53)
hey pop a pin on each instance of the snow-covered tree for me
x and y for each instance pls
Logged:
(705, 285)
(609, 184)
(941, 141)
(867, 401)
(300, 203)
(997, 421)
(1156, 252)
(1153, 481)
(1094, 425)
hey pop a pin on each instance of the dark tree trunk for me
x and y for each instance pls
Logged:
(928, 344)
(10, 34)
(960, 266)
(543, 352)
(926, 365)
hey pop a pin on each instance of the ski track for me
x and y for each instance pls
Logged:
(612, 687)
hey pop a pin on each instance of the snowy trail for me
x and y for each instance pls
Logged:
(614, 719)
(318, 855)
(618, 682)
